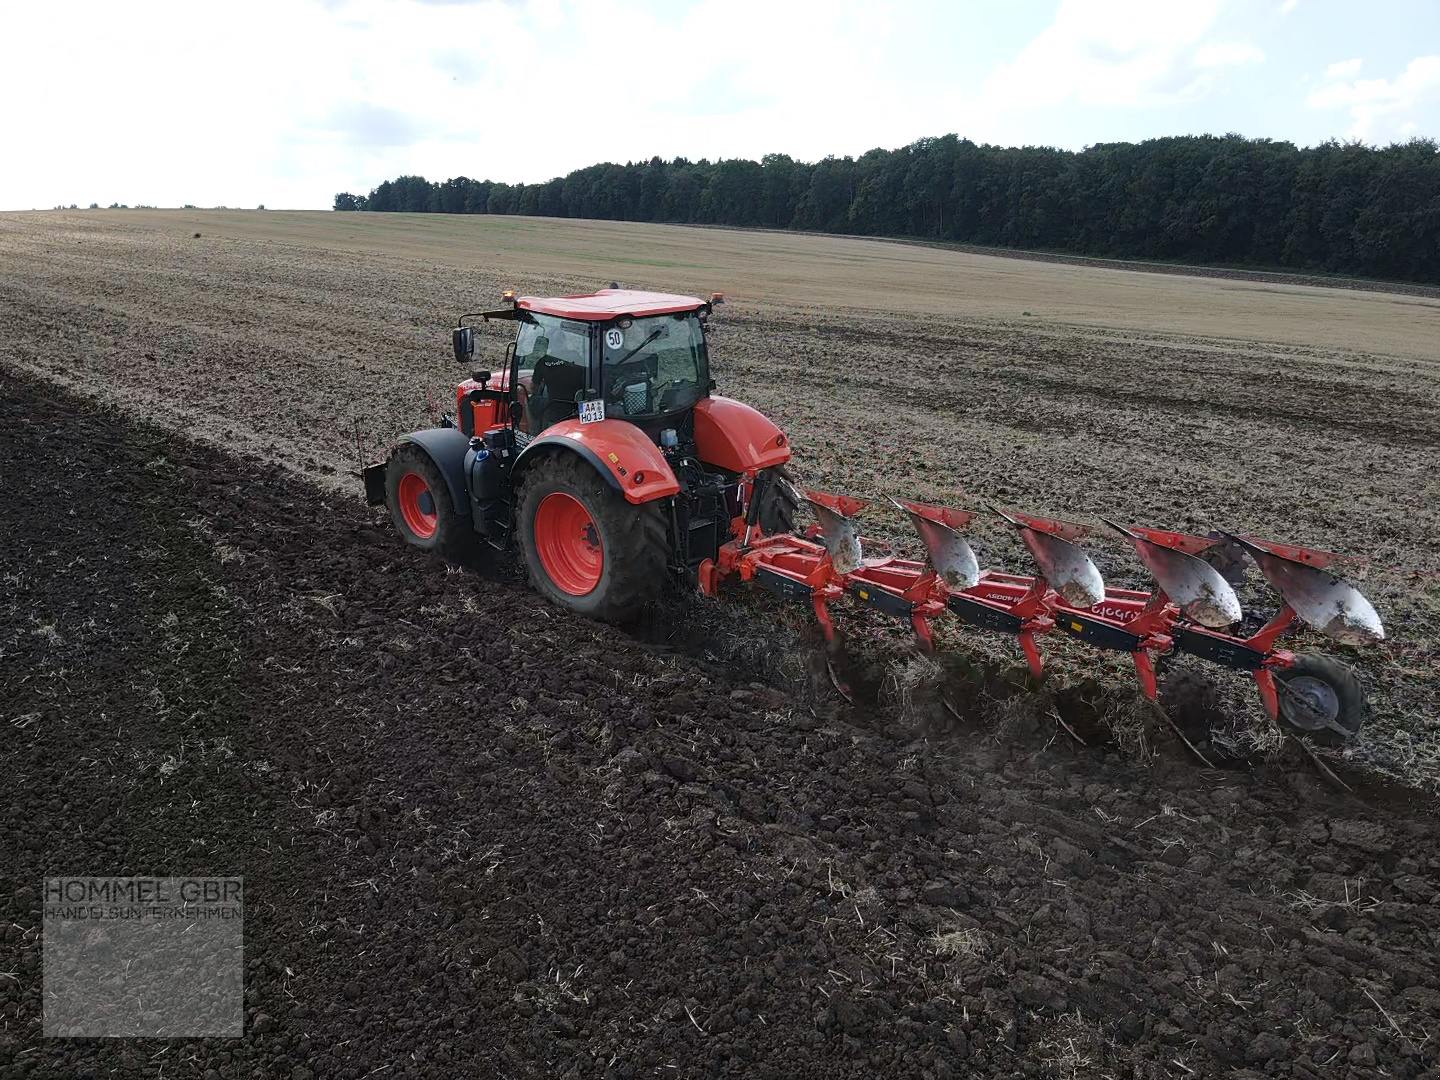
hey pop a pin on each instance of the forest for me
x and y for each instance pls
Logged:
(1337, 208)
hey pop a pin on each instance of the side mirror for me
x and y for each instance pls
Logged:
(462, 339)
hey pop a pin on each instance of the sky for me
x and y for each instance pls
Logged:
(286, 102)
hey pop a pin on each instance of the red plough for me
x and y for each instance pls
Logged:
(1193, 609)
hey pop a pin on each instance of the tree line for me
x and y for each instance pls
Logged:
(1341, 208)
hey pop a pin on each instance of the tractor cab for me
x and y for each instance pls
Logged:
(597, 450)
(616, 354)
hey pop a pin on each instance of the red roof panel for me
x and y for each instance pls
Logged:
(608, 303)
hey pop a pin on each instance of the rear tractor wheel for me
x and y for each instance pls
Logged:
(585, 547)
(1321, 697)
(421, 508)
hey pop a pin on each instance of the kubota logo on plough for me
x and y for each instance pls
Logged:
(1193, 609)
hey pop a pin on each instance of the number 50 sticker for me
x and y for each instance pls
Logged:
(614, 339)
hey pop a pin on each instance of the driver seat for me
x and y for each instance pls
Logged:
(553, 387)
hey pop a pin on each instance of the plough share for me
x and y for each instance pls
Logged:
(1193, 609)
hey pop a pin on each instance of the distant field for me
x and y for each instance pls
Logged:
(827, 271)
(1308, 414)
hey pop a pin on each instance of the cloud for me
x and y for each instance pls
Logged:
(1228, 54)
(462, 65)
(1289, 6)
(363, 124)
(1119, 52)
(1380, 110)
(296, 101)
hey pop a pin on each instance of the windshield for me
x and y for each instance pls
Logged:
(653, 366)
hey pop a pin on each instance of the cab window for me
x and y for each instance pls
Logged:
(553, 357)
(653, 366)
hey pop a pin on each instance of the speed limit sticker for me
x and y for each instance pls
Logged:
(614, 338)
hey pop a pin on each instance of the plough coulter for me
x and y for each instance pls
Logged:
(1193, 609)
(597, 451)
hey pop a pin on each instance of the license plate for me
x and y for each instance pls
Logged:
(591, 411)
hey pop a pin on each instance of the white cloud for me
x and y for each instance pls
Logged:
(528, 91)
(1228, 54)
(1119, 52)
(1381, 110)
(286, 102)
(1288, 6)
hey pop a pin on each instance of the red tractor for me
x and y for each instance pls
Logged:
(599, 451)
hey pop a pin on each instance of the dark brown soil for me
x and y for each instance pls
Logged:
(280, 336)
(482, 837)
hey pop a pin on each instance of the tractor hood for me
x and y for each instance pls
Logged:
(734, 436)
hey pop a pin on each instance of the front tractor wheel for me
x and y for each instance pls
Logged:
(586, 548)
(420, 505)
(1321, 697)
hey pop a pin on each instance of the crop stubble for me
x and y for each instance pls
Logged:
(479, 837)
(1300, 413)
(517, 841)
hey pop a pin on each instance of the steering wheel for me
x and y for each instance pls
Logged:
(629, 372)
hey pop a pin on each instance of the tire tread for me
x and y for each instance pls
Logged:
(635, 539)
(454, 540)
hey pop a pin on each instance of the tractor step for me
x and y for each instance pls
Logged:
(374, 477)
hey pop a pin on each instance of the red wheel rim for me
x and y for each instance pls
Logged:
(569, 544)
(417, 505)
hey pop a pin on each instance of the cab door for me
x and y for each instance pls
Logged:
(554, 365)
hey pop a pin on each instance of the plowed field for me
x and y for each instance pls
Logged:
(480, 837)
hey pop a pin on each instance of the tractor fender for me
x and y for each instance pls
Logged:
(620, 452)
(447, 448)
(737, 437)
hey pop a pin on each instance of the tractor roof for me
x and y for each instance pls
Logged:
(609, 303)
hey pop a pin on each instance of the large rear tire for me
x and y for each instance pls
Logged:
(585, 547)
(1318, 695)
(421, 507)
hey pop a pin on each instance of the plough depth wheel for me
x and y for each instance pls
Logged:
(1321, 697)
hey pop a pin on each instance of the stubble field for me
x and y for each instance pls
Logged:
(556, 826)
(1304, 414)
